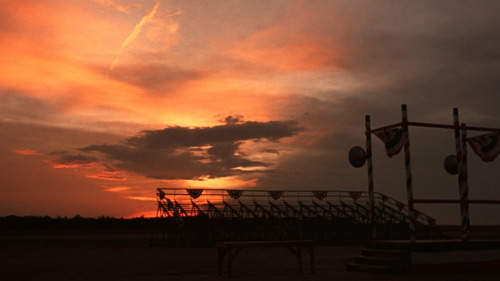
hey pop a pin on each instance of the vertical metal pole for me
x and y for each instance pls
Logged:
(368, 134)
(460, 169)
(409, 187)
(464, 188)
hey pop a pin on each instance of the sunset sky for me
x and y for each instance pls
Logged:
(103, 101)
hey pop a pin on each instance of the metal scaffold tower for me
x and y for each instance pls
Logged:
(396, 138)
(200, 217)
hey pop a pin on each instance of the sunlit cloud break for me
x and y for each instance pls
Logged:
(27, 152)
(134, 34)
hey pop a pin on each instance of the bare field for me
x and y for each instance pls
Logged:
(130, 257)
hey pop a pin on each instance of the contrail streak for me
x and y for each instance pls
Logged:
(134, 34)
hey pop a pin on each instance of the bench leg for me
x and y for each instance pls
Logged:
(231, 252)
(229, 262)
(299, 257)
(221, 253)
(298, 254)
(311, 254)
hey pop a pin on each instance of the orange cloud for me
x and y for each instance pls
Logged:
(142, 198)
(119, 7)
(44, 75)
(43, 57)
(27, 152)
(223, 183)
(65, 166)
(75, 90)
(226, 94)
(105, 176)
(118, 188)
(279, 50)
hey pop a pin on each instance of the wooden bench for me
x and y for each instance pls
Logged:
(231, 249)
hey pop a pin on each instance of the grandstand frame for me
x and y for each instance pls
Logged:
(201, 217)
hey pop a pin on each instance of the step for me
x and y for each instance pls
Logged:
(381, 260)
(384, 252)
(353, 266)
(375, 260)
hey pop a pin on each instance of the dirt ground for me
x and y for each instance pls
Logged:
(131, 258)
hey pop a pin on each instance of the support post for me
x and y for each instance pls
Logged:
(460, 144)
(464, 188)
(373, 232)
(409, 187)
(458, 148)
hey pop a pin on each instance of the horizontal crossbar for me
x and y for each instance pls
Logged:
(433, 125)
(451, 201)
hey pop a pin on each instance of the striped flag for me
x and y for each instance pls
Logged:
(393, 140)
(355, 195)
(195, 193)
(320, 194)
(235, 194)
(275, 194)
(486, 146)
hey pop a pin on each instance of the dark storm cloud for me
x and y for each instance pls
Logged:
(234, 119)
(190, 153)
(154, 163)
(68, 159)
(184, 137)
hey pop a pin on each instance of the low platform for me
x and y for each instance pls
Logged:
(439, 256)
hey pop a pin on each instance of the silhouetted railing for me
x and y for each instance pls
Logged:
(203, 216)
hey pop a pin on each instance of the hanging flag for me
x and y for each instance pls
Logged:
(486, 146)
(275, 194)
(355, 195)
(320, 194)
(235, 194)
(393, 140)
(195, 193)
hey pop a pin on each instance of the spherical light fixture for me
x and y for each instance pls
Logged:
(450, 164)
(357, 156)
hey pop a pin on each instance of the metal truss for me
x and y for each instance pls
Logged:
(201, 217)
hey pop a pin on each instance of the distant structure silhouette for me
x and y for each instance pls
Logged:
(200, 217)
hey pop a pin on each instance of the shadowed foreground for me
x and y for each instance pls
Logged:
(129, 257)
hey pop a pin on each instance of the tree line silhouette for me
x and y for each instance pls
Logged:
(13, 224)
